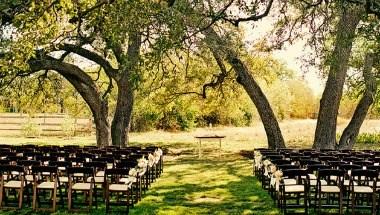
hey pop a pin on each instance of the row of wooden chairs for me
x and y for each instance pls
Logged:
(31, 172)
(326, 179)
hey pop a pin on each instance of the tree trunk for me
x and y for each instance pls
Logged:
(102, 126)
(83, 83)
(267, 116)
(125, 99)
(325, 133)
(123, 112)
(351, 132)
(220, 47)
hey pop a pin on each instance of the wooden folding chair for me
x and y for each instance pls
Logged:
(45, 178)
(114, 184)
(330, 189)
(78, 177)
(14, 180)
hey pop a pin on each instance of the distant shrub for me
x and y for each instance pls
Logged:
(144, 121)
(31, 129)
(368, 138)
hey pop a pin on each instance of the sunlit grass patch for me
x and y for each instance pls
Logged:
(207, 186)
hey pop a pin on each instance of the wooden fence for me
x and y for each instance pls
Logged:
(48, 124)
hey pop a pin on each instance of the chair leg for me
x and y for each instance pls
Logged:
(306, 199)
(340, 203)
(107, 201)
(69, 196)
(284, 202)
(128, 194)
(21, 196)
(90, 199)
(353, 203)
(374, 202)
(34, 198)
(319, 202)
(1, 196)
(54, 199)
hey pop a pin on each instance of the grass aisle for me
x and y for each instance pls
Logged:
(206, 186)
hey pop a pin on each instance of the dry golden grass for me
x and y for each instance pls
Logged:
(297, 133)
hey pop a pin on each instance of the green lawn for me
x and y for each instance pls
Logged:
(206, 186)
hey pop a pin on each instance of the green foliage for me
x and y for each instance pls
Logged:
(368, 138)
(31, 129)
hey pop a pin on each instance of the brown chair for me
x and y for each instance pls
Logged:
(114, 184)
(295, 192)
(366, 185)
(78, 177)
(14, 180)
(99, 169)
(330, 189)
(45, 178)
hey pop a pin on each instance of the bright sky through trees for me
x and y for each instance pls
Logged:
(292, 54)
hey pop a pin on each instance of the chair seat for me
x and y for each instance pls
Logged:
(100, 174)
(119, 187)
(81, 186)
(311, 177)
(290, 181)
(13, 184)
(46, 185)
(362, 189)
(294, 188)
(314, 182)
(98, 179)
(63, 179)
(78, 175)
(29, 177)
(330, 189)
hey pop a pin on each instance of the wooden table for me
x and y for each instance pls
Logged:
(209, 138)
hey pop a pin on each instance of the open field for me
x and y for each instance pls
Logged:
(297, 133)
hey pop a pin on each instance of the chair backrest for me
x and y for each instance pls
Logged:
(352, 159)
(4, 162)
(60, 163)
(76, 161)
(349, 167)
(331, 176)
(28, 163)
(316, 167)
(13, 172)
(364, 176)
(363, 163)
(281, 162)
(287, 166)
(270, 157)
(297, 174)
(126, 164)
(336, 164)
(114, 175)
(80, 174)
(40, 173)
(307, 162)
(96, 165)
(326, 158)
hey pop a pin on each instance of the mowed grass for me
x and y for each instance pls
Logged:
(209, 185)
